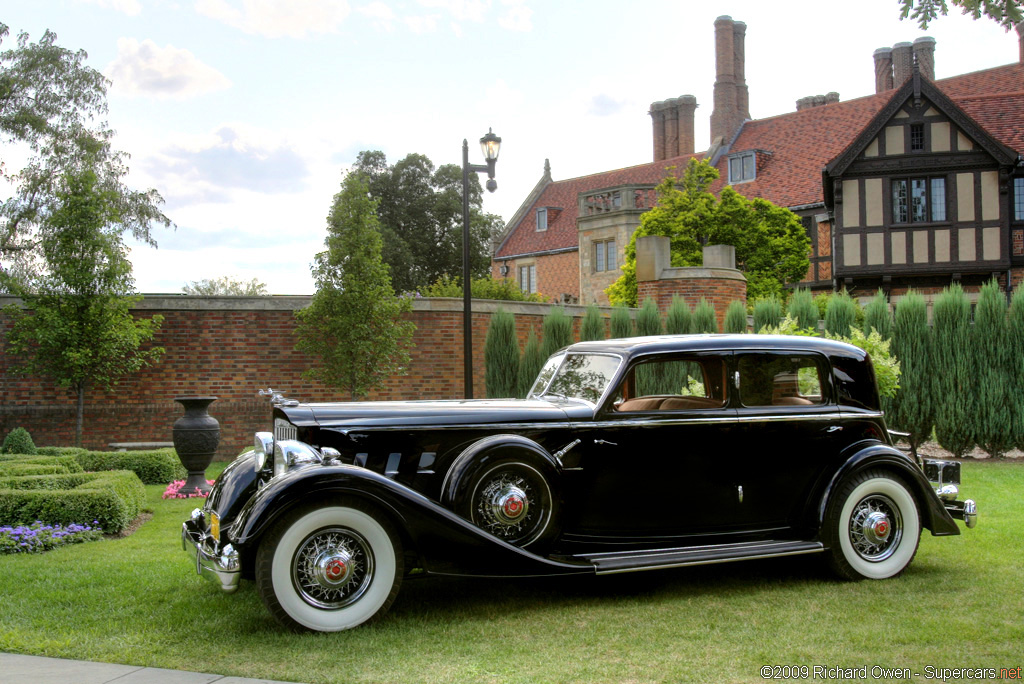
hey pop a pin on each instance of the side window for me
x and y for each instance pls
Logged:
(676, 383)
(780, 380)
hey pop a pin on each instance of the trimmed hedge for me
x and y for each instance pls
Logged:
(58, 464)
(113, 499)
(159, 466)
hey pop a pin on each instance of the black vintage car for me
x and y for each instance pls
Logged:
(628, 455)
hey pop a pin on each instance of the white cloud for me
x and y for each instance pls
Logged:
(130, 7)
(380, 14)
(461, 10)
(422, 24)
(277, 18)
(517, 17)
(168, 72)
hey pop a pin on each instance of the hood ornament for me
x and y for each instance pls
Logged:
(277, 397)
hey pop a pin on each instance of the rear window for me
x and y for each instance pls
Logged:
(780, 380)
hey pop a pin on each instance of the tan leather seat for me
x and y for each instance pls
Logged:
(641, 404)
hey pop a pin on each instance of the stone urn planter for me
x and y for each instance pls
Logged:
(196, 435)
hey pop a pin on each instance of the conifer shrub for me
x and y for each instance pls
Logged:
(679, 319)
(18, 441)
(1016, 341)
(621, 323)
(530, 364)
(841, 314)
(913, 409)
(704, 320)
(735, 318)
(592, 327)
(767, 313)
(803, 310)
(557, 331)
(877, 316)
(501, 356)
(648, 319)
(993, 372)
(953, 383)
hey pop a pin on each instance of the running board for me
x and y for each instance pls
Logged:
(647, 559)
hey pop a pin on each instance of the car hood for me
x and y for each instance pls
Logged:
(428, 413)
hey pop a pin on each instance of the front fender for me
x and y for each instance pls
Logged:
(876, 455)
(445, 543)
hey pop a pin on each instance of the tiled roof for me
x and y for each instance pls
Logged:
(796, 147)
(562, 232)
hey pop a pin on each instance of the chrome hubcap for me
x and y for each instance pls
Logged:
(876, 528)
(332, 568)
(507, 506)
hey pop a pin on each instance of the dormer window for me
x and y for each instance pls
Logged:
(542, 219)
(742, 168)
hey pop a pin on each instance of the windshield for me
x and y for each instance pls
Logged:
(576, 376)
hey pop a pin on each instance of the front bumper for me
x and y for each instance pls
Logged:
(220, 565)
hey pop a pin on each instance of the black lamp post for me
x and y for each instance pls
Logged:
(490, 144)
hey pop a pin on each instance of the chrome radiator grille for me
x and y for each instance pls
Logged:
(284, 430)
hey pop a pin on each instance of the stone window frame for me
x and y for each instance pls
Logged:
(542, 219)
(530, 277)
(746, 165)
(609, 259)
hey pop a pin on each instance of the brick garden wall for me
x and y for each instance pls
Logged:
(230, 347)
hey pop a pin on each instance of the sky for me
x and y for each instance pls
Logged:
(245, 114)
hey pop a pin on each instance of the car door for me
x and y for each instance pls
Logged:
(654, 463)
(788, 432)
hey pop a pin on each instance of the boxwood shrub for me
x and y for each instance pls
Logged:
(113, 499)
(62, 464)
(159, 466)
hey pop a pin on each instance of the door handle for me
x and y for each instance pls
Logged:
(601, 441)
(834, 428)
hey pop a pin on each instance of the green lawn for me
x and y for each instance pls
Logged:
(137, 601)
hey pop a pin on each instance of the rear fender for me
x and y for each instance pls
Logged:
(445, 543)
(490, 449)
(884, 457)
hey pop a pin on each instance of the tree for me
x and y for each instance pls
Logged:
(771, 246)
(621, 323)
(735, 318)
(767, 312)
(593, 325)
(1006, 13)
(913, 409)
(76, 326)
(354, 327)
(704, 319)
(877, 316)
(841, 314)
(48, 101)
(679, 319)
(226, 285)
(993, 372)
(952, 370)
(648, 319)
(557, 331)
(530, 363)
(420, 213)
(501, 356)
(803, 309)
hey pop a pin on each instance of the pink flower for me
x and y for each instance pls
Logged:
(173, 491)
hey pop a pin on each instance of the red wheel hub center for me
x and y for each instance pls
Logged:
(335, 570)
(882, 529)
(513, 506)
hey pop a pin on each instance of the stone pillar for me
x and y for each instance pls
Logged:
(883, 69)
(739, 32)
(658, 125)
(902, 63)
(924, 51)
(723, 117)
(687, 105)
(653, 255)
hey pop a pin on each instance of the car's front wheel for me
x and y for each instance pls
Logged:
(329, 568)
(873, 527)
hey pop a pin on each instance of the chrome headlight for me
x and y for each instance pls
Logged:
(290, 452)
(264, 448)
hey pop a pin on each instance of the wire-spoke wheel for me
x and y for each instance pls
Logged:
(873, 527)
(329, 568)
(513, 501)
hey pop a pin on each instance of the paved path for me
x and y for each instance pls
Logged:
(23, 669)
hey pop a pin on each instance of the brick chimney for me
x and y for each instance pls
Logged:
(1020, 41)
(924, 53)
(902, 62)
(739, 34)
(883, 69)
(727, 116)
(672, 124)
(816, 101)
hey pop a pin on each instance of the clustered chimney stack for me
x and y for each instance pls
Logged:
(731, 97)
(672, 121)
(816, 101)
(893, 66)
(1020, 41)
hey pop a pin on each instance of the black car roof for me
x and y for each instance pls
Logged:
(632, 346)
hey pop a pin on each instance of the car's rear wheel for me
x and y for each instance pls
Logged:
(513, 500)
(873, 527)
(329, 568)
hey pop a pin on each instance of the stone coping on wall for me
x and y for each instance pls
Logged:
(699, 272)
(172, 302)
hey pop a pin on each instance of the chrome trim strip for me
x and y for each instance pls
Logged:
(711, 561)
